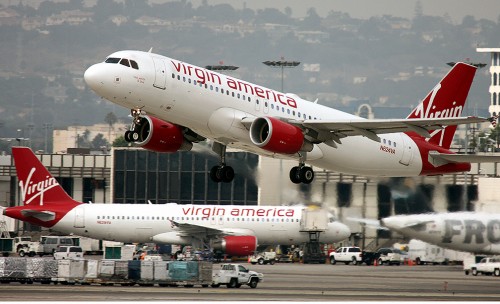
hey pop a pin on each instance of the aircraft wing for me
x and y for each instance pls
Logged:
(415, 224)
(326, 131)
(193, 230)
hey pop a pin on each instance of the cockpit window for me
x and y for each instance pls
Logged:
(124, 62)
(112, 60)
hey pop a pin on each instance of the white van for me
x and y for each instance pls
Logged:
(68, 253)
(425, 253)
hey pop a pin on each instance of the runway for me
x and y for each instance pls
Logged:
(292, 282)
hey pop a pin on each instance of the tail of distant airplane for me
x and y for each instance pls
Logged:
(446, 100)
(44, 201)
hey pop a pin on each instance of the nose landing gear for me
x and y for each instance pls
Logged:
(132, 135)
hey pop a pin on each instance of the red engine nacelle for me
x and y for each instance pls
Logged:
(236, 245)
(160, 136)
(274, 135)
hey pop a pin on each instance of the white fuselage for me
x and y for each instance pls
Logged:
(213, 105)
(463, 231)
(141, 223)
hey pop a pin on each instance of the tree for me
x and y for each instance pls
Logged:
(99, 141)
(120, 142)
(83, 141)
(110, 119)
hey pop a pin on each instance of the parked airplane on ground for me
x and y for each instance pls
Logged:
(474, 232)
(235, 230)
(186, 104)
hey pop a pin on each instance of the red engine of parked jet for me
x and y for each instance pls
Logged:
(274, 135)
(160, 136)
(236, 245)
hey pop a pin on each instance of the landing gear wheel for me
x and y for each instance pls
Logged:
(227, 174)
(302, 174)
(222, 174)
(135, 136)
(213, 174)
(306, 175)
(294, 175)
(127, 136)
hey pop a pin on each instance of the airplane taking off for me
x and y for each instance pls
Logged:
(235, 230)
(473, 232)
(175, 104)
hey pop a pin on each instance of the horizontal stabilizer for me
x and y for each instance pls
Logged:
(41, 215)
(439, 159)
(368, 222)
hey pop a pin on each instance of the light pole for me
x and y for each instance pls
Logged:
(281, 64)
(46, 127)
(221, 67)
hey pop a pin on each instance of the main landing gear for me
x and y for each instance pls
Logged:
(132, 135)
(301, 173)
(222, 172)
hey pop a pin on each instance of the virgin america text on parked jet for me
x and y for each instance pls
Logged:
(235, 230)
(186, 104)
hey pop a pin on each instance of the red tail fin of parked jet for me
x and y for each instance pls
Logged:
(446, 100)
(44, 201)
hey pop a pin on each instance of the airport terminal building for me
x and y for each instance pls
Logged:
(137, 176)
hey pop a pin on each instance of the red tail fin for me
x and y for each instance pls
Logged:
(38, 187)
(447, 99)
(45, 201)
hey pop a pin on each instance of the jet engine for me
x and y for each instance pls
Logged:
(274, 135)
(236, 245)
(157, 135)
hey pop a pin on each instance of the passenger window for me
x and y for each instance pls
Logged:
(125, 62)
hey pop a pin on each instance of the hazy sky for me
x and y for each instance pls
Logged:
(456, 9)
(363, 9)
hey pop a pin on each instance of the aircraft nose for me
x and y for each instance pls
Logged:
(390, 223)
(94, 76)
(344, 232)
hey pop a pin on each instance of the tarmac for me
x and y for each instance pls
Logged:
(292, 282)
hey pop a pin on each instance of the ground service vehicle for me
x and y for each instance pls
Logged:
(369, 257)
(489, 265)
(68, 253)
(49, 245)
(268, 257)
(389, 256)
(346, 255)
(425, 253)
(235, 275)
(22, 244)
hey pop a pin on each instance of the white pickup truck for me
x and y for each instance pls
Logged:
(347, 255)
(235, 275)
(489, 265)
